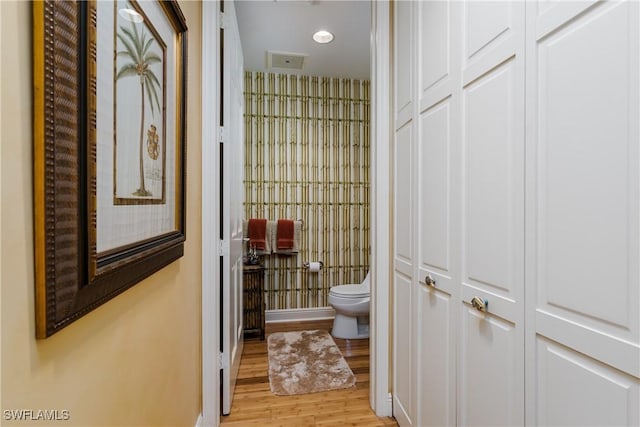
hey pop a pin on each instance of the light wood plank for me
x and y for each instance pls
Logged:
(255, 405)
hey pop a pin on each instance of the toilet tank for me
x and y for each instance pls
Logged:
(367, 281)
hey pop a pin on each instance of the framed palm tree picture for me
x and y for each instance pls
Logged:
(109, 150)
(140, 107)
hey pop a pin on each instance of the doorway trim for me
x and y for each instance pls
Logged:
(379, 393)
(380, 396)
(210, 326)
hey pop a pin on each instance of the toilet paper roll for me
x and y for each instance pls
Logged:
(315, 266)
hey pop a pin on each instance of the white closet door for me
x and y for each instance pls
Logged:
(584, 203)
(491, 353)
(403, 149)
(437, 215)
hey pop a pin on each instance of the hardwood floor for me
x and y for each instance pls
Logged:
(255, 405)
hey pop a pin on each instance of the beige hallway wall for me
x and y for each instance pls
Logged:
(136, 359)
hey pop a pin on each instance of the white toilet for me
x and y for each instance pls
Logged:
(351, 303)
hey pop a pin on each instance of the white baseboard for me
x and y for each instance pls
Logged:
(297, 314)
(199, 421)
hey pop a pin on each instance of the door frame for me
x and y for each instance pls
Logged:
(210, 322)
(380, 396)
(381, 250)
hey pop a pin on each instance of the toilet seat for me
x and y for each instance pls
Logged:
(350, 291)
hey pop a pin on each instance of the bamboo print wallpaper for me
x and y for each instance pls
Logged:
(307, 158)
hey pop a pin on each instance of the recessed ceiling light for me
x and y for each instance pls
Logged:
(323, 36)
(130, 15)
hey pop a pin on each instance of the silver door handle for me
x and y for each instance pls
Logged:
(430, 281)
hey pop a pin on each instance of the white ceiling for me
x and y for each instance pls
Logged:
(287, 26)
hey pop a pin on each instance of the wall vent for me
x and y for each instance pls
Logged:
(292, 61)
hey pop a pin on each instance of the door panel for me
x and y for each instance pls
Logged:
(586, 181)
(486, 22)
(403, 321)
(605, 347)
(403, 231)
(548, 16)
(491, 387)
(403, 350)
(434, 183)
(434, 48)
(494, 182)
(403, 70)
(587, 155)
(583, 235)
(436, 359)
(574, 389)
(493, 33)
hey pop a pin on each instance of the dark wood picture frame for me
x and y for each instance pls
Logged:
(71, 277)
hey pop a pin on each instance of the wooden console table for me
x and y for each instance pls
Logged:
(253, 299)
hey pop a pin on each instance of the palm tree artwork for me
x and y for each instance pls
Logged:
(138, 58)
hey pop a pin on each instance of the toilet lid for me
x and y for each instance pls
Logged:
(353, 291)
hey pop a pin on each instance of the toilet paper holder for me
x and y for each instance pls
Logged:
(307, 264)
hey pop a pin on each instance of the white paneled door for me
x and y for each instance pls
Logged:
(403, 231)
(437, 281)
(584, 200)
(516, 213)
(231, 165)
(491, 353)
